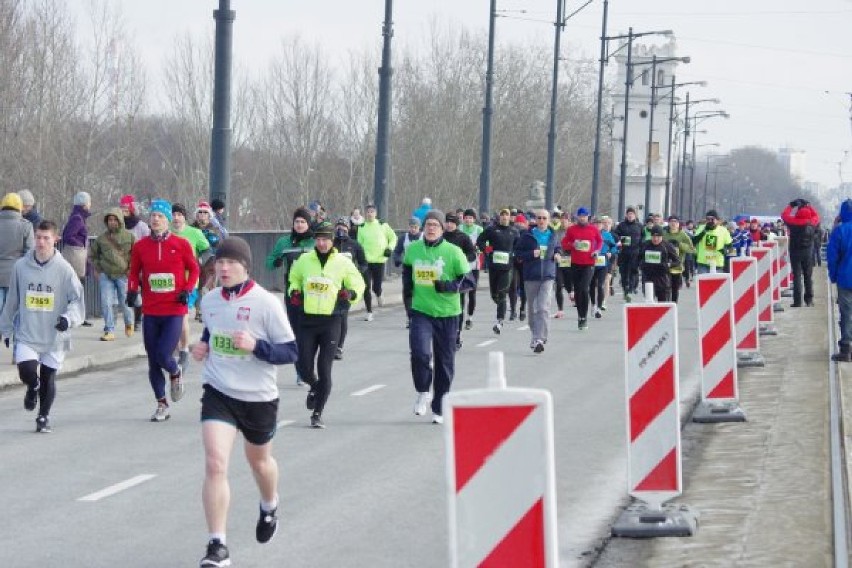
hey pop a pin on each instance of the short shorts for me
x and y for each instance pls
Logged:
(256, 420)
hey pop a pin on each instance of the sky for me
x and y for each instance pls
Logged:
(782, 68)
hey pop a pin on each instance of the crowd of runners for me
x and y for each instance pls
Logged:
(178, 264)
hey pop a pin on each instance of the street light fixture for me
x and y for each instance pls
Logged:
(630, 36)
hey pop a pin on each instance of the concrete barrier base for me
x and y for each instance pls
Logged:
(750, 359)
(713, 412)
(767, 329)
(639, 520)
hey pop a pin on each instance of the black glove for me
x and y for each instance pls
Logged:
(183, 297)
(388, 252)
(804, 202)
(130, 302)
(442, 286)
(278, 262)
(296, 298)
(61, 323)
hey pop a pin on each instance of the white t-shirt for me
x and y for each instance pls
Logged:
(236, 373)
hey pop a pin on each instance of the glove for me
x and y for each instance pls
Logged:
(61, 324)
(442, 285)
(387, 252)
(278, 262)
(183, 297)
(794, 203)
(296, 298)
(489, 249)
(130, 302)
(345, 295)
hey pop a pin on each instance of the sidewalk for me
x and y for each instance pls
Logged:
(89, 352)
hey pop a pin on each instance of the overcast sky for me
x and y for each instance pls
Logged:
(782, 68)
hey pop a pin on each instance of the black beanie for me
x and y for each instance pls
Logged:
(303, 213)
(178, 208)
(237, 249)
(469, 213)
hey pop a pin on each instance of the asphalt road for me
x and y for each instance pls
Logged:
(367, 491)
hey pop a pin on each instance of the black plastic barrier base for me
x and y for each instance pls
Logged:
(750, 359)
(710, 413)
(641, 521)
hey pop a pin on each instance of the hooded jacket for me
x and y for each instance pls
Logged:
(629, 234)
(802, 226)
(839, 252)
(376, 237)
(540, 267)
(110, 253)
(16, 238)
(75, 232)
(39, 294)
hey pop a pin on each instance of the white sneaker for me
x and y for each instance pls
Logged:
(369, 316)
(421, 403)
(598, 313)
(559, 315)
(437, 419)
(161, 414)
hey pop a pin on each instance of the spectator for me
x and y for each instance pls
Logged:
(75, 238)
(839, 258)
(16, 238)
(218, 217)
(420, 212)
(803, 226)
(110, 255)
(29, 211)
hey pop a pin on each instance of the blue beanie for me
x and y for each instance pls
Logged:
(582, 212)
(163, 207)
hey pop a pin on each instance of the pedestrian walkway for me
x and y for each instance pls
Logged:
(761, 487)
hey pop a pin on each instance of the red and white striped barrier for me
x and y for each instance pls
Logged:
(653, 421)
(784, 263)
(501, 475)
(776, 274)
(717, 351)
(746, 324)
(765, 314)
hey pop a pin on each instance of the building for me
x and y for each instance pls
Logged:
(793, 162)
(639, 123)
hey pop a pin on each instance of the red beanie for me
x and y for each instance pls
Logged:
(520, 218)
(129, 201)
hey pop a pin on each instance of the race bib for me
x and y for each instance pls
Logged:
(222, 345)
(710, 241)
(162, 282)
(600, 260)
(39, 301)
(565, 262)
(319, 286)
(425, 275)
(500, 257)
(625, 241)
(653, 257)
(583, 246)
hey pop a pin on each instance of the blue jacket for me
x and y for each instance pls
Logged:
(839, 253)
(421, 211)
(543, 267)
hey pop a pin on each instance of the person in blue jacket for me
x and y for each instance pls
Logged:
(607, 254)
(420, 212)
(839, 257)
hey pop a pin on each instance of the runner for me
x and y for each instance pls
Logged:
(629, 235)
(110, 256)
(378, 240)
(657, 258)
(564, 281)
(472, 230)
(44, 301)
(349, 248)
(538, 253)
(140, 229)
(516, 288)
(683, 244)
(325, 284)
(201, 249)
(434, 273)
(246, 334)
(710, 239)
(599, 285)
(164, 268)
(583, 241)
(213, 232)
(497, 241)
(453, 235)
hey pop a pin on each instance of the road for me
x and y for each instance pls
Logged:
(367, 491)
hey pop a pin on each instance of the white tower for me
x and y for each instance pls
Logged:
(639, 124)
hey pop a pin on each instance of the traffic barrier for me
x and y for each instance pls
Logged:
(717, 351)
(765, 314)
(776, 274)
(500, 475)
(653, 425)
(650, 298)
(786, 269)
(746, 324)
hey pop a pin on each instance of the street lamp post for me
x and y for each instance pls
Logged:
(667, 200)
(699, 116)
(380, 178)
(487, 112)
(551, 134)
(597, 154)
(707, 174)
(220, 143)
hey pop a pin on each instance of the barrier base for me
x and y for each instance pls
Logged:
(750, 359)
(767, 329)
(787, 293)
(777, 307)
(712, 412)
(641, 521)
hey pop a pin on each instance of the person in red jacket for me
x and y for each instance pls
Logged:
(583, 241)
(803, 228)
(163, 267)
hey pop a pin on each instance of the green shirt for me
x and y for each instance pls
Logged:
(375, 238)
(320, 284)
(195, 237)
(445, 261)
(711, 245)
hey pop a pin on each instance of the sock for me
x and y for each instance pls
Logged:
(218, 536)
(269, 506)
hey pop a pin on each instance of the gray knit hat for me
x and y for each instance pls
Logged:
(437, 215)
(237, 249)
(26, 197)
(82, 198)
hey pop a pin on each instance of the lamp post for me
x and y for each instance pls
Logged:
(627, 84)
(654, 62)
(707, 173)
(597, 155)
(220, 142)
(380, 179)
(668, 197)
(487, 112)
(682, 184)
(698, 117)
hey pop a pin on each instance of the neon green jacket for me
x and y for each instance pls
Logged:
(320, 284)
(711, 245)
(375, 238)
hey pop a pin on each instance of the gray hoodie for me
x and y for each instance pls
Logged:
(16, 238)
(39, 294)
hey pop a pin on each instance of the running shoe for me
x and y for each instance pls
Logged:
(539, 346)
(512, 315)
(176, 386)
(108, 336)
(217, 555)
(498, 327)
(627, 298)
(468, 324)
(338, 354)
(380, 301)
(129, 329)
(137, 325)
(369, 316)
(582, 325)
(437, 419)
(598, 313)
(316, 421)
(603, 307)
(299, 381)
(31, 398)
(43, 425)
(458, 344)
(523, 315)
(161, 415)
(421, 403)
(267, 524)
(183, 359)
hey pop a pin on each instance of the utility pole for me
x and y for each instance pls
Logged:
(682, 187)
(554, 90)
(628, 72)
(597, 154)
(220, 139)
(380, 179)
(667, 198)
(650, 134)
(487, 111)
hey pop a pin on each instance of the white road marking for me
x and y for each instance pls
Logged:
(486, 343)
(118, 487)
(523, 328)
(285, 423)
(368, 390)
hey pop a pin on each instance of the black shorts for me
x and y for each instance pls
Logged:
(256, 420)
